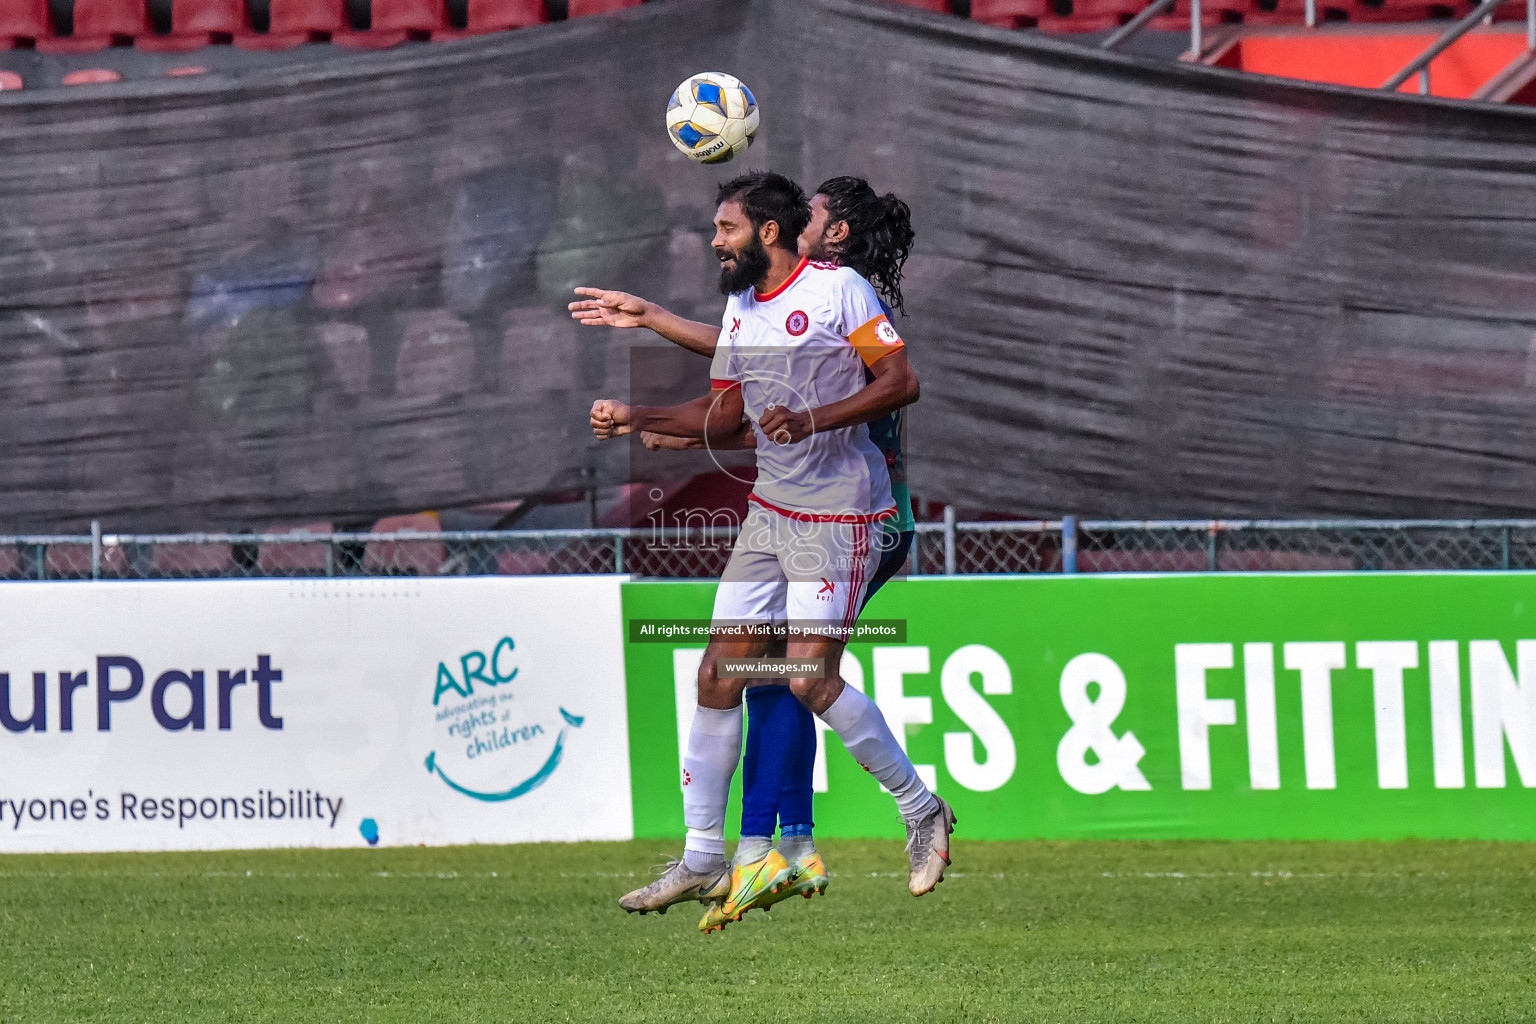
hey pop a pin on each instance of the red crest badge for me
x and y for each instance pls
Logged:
(797, 324)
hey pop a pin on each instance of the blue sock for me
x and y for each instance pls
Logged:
(771, 735)
(799, 763)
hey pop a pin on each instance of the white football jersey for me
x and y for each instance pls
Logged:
(804, 346)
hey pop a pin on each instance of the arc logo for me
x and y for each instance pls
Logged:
(496, 738)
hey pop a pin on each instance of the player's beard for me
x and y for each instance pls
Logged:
(752, 265)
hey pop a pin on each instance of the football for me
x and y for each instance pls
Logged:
(712, 117)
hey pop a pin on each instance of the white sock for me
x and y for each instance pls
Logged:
(714, 748)
(752, 849)
(795, 847)
(859, 724)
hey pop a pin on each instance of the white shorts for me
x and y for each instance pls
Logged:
(797, 570)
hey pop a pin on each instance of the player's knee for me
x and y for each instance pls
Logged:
(712, 689)
(707, 669)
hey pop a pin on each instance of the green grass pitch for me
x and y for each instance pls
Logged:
(1076, 932)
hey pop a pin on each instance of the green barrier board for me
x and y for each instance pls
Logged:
(1198, 706)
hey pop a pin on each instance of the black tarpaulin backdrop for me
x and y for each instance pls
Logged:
(1139, 290)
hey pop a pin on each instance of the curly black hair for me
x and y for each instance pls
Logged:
(880, 233)
(769, 196)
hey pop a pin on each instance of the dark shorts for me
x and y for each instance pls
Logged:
(891, 562)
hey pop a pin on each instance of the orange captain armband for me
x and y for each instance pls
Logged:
(876, 340)
(724, 385)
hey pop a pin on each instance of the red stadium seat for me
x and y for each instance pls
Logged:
(296, 22)
(1010, 13)
(22, 21)
(92, 76)
(1212, 12)
(100, 24)
(1396, 10)
(196, 23)
(73, 561)
(1142, 561)
(484, 16)
(280, 559)
(395, 21)
(1089, 15)
(1282, 561)
(582, 8)
(10, 80)
(1292, 12)
(406, 558)
(192, 560)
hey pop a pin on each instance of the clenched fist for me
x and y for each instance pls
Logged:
(610, 419)
(781, 426)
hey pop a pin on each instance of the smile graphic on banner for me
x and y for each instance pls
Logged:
(529, 784)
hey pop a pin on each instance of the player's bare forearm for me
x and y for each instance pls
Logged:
(895, 386)
(744, 438)
(665, 443)
(690, 334)
(711, 417)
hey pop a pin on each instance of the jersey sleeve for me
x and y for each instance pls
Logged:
(723, 375)
(864, 317)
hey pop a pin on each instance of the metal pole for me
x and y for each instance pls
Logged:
(1138, 23)
(1311, 13)
(1194, 29)
(1424, 81)
(1504, 548)
(330, 557)
(95, 549)
(1212, 550)
(1530, 24)
(618, 553)
(1069, 544)
(949, 540)
(1449, 37)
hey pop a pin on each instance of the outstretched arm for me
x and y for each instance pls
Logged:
(716, 415)
(603, 308)
(895, 386)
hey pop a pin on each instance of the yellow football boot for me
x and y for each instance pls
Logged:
(809, 879)
(751, 885)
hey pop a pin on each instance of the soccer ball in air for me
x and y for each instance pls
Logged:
(712, 117)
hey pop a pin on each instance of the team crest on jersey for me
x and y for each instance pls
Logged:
(887, 334)
(797, 323)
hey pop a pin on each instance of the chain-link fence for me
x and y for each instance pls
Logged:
(941, 548)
